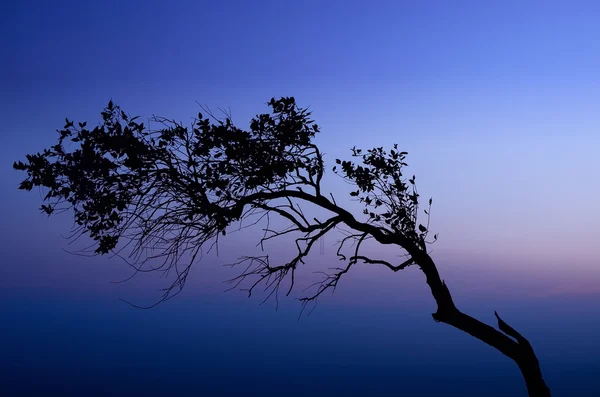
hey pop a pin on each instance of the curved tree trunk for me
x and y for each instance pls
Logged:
(506, 340)
(519, 349)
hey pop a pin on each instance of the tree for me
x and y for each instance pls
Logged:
(171, 191)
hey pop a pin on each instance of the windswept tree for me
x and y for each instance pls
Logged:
(166, 193)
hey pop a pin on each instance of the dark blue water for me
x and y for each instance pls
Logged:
(225, 345)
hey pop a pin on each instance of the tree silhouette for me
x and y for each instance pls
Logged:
(169, 192)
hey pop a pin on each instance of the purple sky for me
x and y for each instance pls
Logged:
(496, 105)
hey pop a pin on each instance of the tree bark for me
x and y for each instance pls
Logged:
(509, 342)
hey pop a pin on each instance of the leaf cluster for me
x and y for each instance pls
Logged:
(120, 173)
(389, 198)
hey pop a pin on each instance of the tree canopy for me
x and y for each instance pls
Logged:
(169, 192)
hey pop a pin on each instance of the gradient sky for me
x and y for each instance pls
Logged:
(496, 103)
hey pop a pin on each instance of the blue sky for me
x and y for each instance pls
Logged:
(496, 103)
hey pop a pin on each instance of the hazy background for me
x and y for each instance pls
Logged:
(497, 105)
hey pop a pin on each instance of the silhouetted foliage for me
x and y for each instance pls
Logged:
(173, 190)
